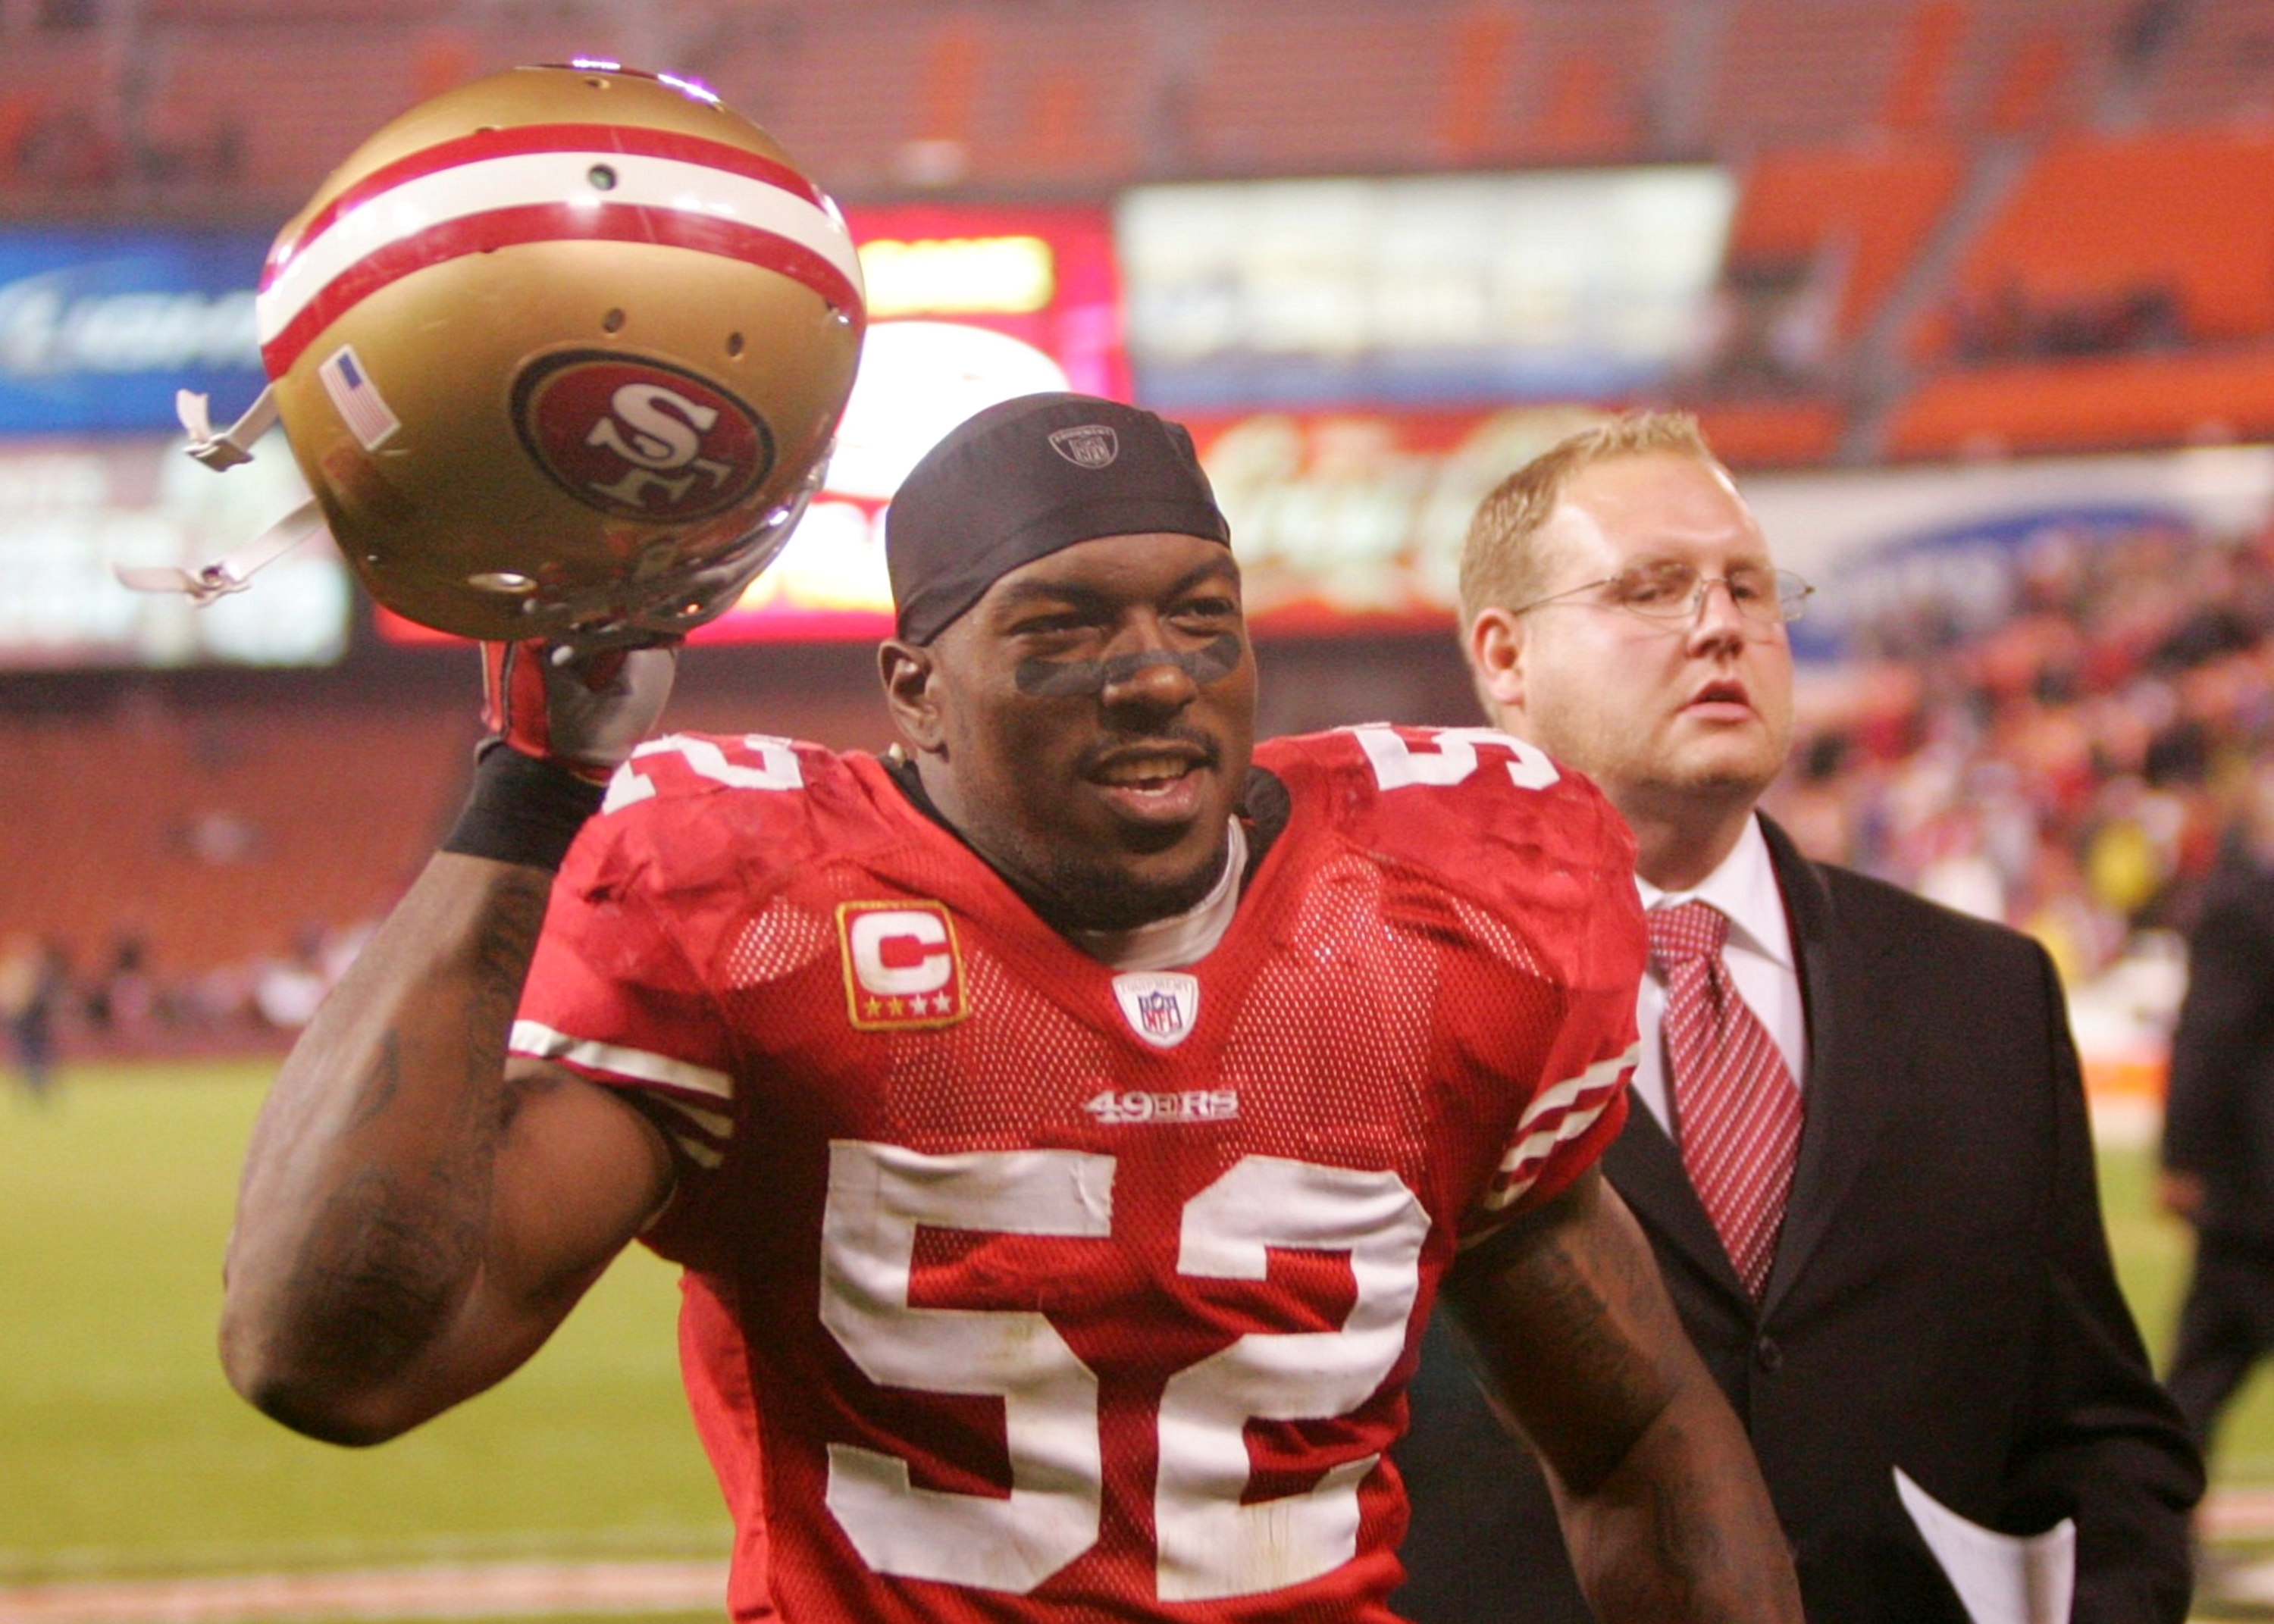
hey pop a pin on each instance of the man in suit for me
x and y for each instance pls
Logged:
(1858, 1144)
(2218, 1127)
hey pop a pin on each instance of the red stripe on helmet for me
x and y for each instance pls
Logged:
(517, 141)
(556, 222)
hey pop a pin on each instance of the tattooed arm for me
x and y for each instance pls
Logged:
(1662, 1505)
(415, 1216)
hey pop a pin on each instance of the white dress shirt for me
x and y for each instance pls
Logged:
(1758, 958)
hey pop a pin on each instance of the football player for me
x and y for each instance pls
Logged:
(1066, 1123)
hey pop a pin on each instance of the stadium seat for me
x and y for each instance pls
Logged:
(1748, 435)
(1875, 205)
(1795, 76)
(2214, 70)
(2089, 404)
(2099, 218)
(218, 836)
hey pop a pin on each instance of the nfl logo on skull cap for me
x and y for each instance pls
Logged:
(1087, 445)
(1161, 1006)
(903, 970)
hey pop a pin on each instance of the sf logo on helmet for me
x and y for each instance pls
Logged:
(638, 439)
(666, 430)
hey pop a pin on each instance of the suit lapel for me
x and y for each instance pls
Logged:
(1854, 1046)
(1645, 1166)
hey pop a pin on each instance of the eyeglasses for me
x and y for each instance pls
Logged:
(1669, 592)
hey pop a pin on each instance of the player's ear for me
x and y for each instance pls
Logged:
(910, 672)
(1495, 648)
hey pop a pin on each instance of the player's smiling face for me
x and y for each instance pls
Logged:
(1086, 724)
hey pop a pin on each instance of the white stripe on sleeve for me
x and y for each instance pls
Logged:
(1601, 1075)
(632, 1064)
(1573, 1105)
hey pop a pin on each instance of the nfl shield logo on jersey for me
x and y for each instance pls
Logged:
(1160, 1005)
(902, 966)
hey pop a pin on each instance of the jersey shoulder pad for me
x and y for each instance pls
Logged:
(1420, 792)
(687, 806)
(1493, 821)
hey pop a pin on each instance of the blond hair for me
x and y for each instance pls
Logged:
(1500, 565)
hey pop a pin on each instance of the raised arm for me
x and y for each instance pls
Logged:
(415, 1216)
(1662, 1505)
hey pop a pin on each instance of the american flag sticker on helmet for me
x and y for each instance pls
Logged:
(360, 405)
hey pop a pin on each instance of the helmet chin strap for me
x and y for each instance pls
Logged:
(234, 571)
(233, 444)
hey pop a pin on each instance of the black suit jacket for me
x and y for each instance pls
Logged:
(1941, 1300)
(2218, 1121)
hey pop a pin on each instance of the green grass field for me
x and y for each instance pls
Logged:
(123, 1453)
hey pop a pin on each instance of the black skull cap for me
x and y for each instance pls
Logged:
(1027, 478)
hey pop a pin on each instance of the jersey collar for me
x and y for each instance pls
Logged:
(1182, 939)
(1744, 888)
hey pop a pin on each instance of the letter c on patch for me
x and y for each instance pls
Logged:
(898, 954)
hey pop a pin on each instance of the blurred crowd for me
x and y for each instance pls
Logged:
(121, 1006)
(2009, 325)
(2070, 751)
(1771, 329)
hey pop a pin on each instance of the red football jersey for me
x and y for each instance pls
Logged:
(1019, 1286)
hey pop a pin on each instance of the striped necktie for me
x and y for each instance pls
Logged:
(1735, 1105)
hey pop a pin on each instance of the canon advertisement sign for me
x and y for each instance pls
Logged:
(98, 329)
(78, 504)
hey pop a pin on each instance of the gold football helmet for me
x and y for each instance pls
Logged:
(559, 353)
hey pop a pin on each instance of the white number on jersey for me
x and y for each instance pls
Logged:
(1398, 765)
(776, 768)
(1209, 1544)
(878, 1194)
